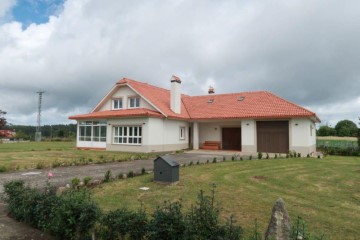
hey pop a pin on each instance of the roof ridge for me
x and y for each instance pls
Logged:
(234, 93)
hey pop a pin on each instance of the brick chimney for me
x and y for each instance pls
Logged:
(211, 90)
(175, 94)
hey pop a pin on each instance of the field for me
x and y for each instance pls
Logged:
(342, 142)
(324, 192)
(28, 155)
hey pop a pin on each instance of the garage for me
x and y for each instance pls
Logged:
(272, 136)
(231, 139)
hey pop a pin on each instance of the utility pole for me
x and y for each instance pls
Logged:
(38, 127)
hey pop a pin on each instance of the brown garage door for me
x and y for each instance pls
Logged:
(231, 138)
(272, 136)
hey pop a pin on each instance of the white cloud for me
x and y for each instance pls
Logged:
(5, 6)
(299, 50)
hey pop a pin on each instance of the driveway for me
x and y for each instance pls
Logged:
(13, 230)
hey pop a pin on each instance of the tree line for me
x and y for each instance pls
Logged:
(27, 132)
(344, 128)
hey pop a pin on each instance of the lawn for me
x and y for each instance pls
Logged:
(28, 155)
(324, 192)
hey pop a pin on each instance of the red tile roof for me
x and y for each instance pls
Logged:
(243, 105)
(159, 97)
(138, 112)
(258, 105)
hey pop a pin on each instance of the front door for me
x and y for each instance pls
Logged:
(231, 139)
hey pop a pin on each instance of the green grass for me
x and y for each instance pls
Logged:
(324, 192)
(29, 155)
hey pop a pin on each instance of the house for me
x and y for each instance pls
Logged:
(7, 134)
(139, 117)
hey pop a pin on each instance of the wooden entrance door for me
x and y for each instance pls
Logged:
(231, 139)
(272, 136)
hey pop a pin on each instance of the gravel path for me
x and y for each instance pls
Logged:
(10, 229)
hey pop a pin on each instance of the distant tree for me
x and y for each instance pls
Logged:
(346, 128)
(359, 134)
(2, 119)
(326, 131)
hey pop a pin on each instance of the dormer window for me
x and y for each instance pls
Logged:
(134, 102)
(117, 104)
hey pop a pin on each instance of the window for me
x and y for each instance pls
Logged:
(117, 104)
(134, 102)
(128, 135)
(92, 131)
(182, 133)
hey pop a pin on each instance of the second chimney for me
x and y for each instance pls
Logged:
(175, 94)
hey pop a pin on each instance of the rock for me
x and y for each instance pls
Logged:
(124, 176)
(67, 186)
(95, 182)
(61, 190)
(279, 225)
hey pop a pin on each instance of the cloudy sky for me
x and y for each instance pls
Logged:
(307, 51)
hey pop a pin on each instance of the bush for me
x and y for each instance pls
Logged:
(260, 155)
(75, 182)
(143, 171)
(87, 180)
(168, 222)
(74, 216)
(108, 176)
(131, 174)
(123, 224)
(3, 168)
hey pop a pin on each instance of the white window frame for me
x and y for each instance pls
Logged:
(127, 135)
(136, 102)
(119, 100)
(94, 131)
(182, 133)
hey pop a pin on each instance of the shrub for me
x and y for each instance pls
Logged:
(167, 222)
(299, 155)
(40, 165)
(3, 168)
(214, 160)
(198, 162)
(233, 158)
(131, 174)
(191, 163)
(75, 182)
(260, 155)
(74, 216)
(224, 158)
(108, 176)
(250, 157)
(87, 180)
(267, 156)
(123, 224)
(276, 156)
(143, 171)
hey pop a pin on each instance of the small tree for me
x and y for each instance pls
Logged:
(2, 119)
(326, 131)
(346, 128)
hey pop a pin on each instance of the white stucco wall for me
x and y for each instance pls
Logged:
(248, 135)
(124, 92)
(157, 135)
(302, 136)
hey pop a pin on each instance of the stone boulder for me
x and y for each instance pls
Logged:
(280, 223)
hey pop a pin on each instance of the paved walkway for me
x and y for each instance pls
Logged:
(12, 230)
